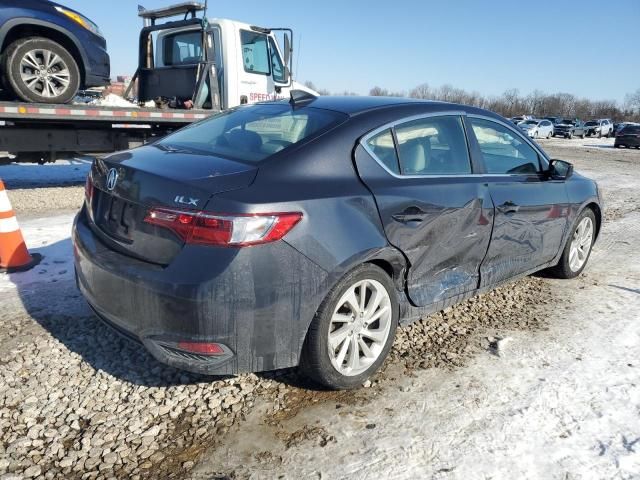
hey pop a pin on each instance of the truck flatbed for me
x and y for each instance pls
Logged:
(43, 133)
(89, 113)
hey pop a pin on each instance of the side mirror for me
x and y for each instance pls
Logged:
(287, 49)
(560, 170)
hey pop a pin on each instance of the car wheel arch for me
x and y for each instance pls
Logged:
(597, 211)
(389, 260)
(20, 28)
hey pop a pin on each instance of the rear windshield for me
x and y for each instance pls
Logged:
(631, 129)
(252, 133)
(531, 122)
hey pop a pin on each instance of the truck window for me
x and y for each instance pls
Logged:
(255, 52)
(276, 63)
(182, 48)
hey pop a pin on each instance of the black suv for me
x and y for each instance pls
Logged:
(568, 128)
(48, 52)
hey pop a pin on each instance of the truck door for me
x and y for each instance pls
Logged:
(260, 68)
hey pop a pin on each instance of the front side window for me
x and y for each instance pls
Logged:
(276, 63)
(255, 52)
(251, 134)
(182, 48)
(433, 146)
(503, 151)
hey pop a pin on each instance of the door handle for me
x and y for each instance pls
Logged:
(410, 214)
(398, 217)
(508, 207)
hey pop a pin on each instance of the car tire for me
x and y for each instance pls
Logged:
(582, 136)
(570, 135)
(59, 83)
(600, 134)
(577, 251)
(549, 135)
(334, 366)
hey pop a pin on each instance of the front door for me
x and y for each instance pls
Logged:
(261, 68)
(433, 208)
(531, 210)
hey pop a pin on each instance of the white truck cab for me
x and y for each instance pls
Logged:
(215, 63)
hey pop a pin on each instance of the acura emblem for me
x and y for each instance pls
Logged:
(112, 178)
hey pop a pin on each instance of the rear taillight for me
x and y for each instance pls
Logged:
(205, 228)
(88, 189)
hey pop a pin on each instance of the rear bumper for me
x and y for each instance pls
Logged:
(256, 302)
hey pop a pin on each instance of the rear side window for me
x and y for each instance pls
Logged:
(630, 129)
(503, 151)
(384, 149)
(433, 146)
(255, 52)
(182, 48)
(252, 133)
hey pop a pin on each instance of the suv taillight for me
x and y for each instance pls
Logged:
(204, 228)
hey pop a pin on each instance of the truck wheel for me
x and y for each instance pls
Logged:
(40, 70)
(578, 248)
(353, 330)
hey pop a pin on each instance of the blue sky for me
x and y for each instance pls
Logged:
(586, 47)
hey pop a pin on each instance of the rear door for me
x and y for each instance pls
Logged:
(433, 208)
(531, 210)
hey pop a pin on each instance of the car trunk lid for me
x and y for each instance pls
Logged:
(126, 185)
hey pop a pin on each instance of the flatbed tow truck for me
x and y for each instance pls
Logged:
(202, 64)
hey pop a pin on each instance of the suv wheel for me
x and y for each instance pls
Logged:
(40, 70)
(353, 330)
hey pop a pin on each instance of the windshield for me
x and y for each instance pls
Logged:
(252, 133)
(566, 121)
(589, 124)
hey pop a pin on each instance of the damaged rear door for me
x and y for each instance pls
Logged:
(432, 206)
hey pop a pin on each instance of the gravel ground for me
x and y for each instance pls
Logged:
(78, 401)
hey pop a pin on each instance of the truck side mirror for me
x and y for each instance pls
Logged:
(287, 51)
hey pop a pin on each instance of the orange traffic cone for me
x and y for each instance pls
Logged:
(14, 256)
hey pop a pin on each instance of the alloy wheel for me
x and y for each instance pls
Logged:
(581, 244)
(359, 327)
(45, 73)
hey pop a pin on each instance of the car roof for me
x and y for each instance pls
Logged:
(354, 105)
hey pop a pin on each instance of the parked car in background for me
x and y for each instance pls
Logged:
(520, 118)
(619, 126)
(48, 52)
(599, 128)
(329, 221)
(537, 128)
(553, 120)
(628, 137)
(568, 128)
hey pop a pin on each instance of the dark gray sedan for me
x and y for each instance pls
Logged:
(303, 232)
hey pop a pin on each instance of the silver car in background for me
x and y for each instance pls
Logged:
(537, 128)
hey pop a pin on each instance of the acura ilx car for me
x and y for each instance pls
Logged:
(303, 233)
